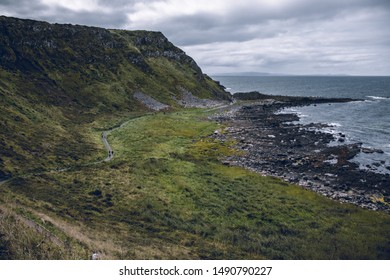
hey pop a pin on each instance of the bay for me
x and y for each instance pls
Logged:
(366, 121)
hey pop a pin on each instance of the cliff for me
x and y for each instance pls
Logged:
(57, 79)
(57, 51)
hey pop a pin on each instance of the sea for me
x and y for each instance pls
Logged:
(366, 121)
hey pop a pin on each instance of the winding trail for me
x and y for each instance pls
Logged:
(46, 233)
(109, 157)
(108, 147)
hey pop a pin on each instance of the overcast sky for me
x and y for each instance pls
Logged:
(277, 36)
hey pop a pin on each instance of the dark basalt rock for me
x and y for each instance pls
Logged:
(301, 154)
(371, 151)
(292, 100)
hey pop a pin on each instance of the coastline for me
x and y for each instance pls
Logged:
(300, 154)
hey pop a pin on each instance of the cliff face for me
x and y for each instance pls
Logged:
(55, 79)
(39, 47)
(33, 46)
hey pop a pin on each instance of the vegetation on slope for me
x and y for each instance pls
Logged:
(166, 195)
(56, 80)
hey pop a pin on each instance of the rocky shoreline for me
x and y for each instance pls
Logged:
(275, 146)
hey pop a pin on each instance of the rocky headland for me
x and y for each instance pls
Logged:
(274, 144)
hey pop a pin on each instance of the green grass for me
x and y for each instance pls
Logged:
(166, 195)
(24, 236)
(52, 97)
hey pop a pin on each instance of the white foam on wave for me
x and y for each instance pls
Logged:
(362, 101)
(295, 111)
(289, 110)
(334, 124)
(330, 131)
(378, 97)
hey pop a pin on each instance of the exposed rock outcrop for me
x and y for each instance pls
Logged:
(274, 145)
(188, 100)
(150, 102)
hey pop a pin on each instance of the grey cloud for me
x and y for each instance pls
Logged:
(101, 18)
(117, 2)
(206, 28)
(120, 6)
(5, 2)
(298, 35)
(245, 22)
(23, 8)
(39, 11)
(10, 2)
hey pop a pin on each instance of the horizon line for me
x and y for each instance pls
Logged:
(244, 74)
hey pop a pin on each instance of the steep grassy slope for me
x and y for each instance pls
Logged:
(58, 81)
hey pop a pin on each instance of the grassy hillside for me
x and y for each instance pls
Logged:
(57, 81)
(165, 195)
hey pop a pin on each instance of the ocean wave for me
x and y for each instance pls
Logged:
(302, 115)
(363, 101)
(330, 131)
(378, 97)
(292, 111)
(289, 110)
(334, 124)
